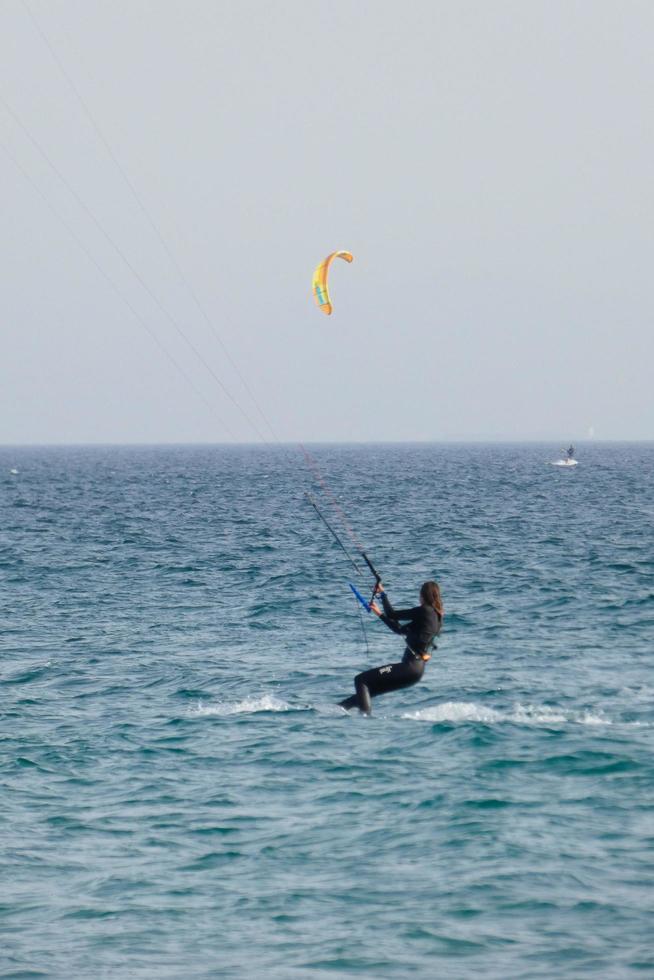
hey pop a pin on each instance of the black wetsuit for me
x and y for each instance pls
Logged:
(424, 624)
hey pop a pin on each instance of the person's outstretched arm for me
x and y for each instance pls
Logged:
(397, 614)
(390, 617)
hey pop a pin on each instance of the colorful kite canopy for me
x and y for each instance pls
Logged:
(320, 290)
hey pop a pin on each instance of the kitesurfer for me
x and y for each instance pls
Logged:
(570, 451)
(424, 624)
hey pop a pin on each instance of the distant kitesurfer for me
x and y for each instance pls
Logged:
(570, 451)
(424, 624)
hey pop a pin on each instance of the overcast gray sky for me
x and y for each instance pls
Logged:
(488, 163)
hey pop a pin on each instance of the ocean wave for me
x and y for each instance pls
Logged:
(248, 706)
(467, 711)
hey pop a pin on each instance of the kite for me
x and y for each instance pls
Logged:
(320, 290)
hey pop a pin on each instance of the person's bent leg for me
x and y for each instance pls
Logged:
(390, 677)
(361, 699)
(363, 694)
(380, 680)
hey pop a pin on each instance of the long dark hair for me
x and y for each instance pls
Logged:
(430, 593)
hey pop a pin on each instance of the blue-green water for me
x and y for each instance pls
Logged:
(182, 798)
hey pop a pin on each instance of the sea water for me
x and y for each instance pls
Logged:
(181, 795)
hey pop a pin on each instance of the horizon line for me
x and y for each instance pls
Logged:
(321, 442)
